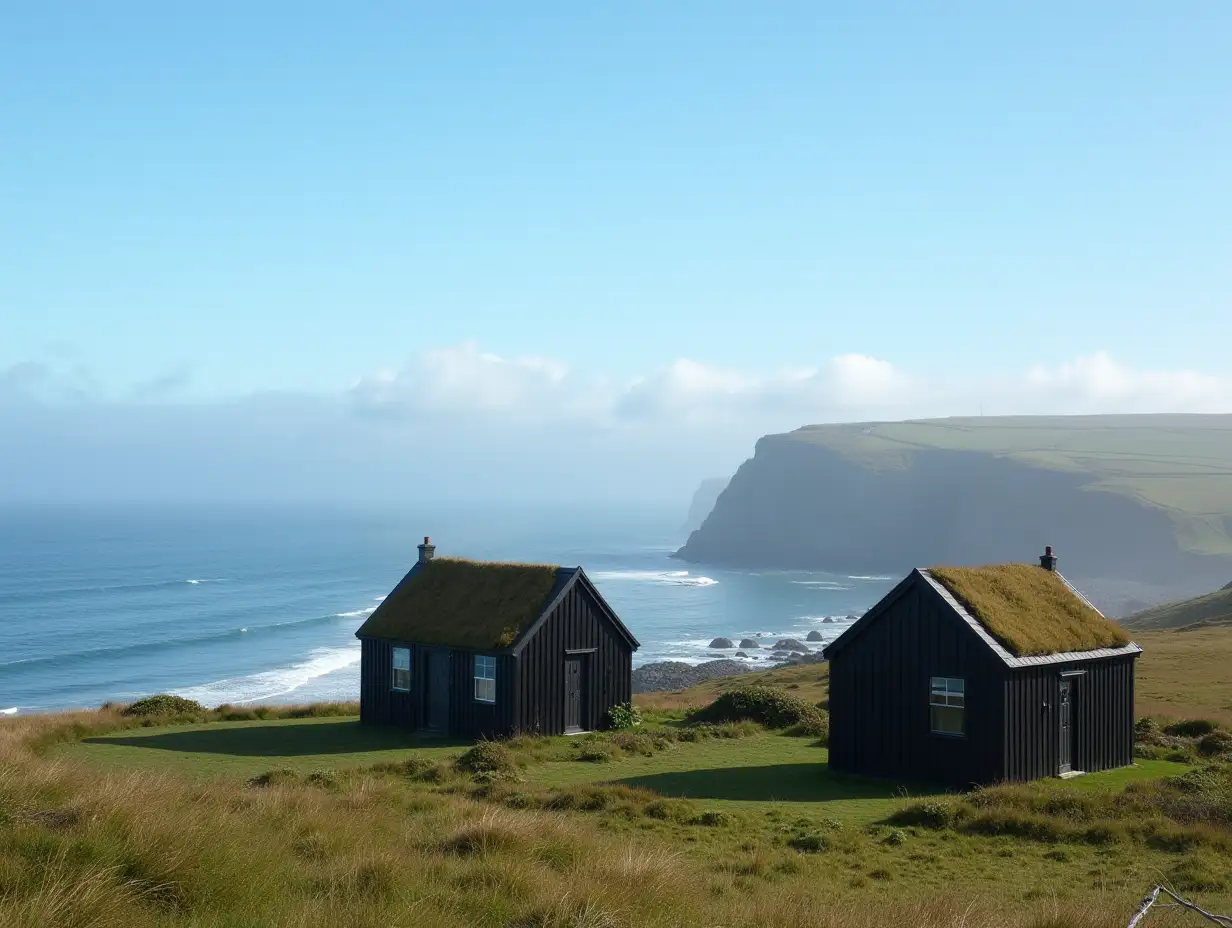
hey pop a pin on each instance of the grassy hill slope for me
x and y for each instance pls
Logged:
(1211, 609)
(1134, 497)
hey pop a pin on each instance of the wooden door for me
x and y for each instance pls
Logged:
(1065, 728)
(436, 692)
(573, 695)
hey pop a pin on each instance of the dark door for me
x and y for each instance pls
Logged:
(436, 692)
(1065, 728)
(573, 694)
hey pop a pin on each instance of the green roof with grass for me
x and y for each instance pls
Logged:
(466, 604)
(1030, 611)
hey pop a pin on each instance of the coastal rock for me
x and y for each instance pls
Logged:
(814, 635)
(828, 618)
(741, 654)
(790, 644)
(749, 643)
(722, 643)
(676, 675)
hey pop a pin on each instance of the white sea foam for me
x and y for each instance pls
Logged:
(822, 584)
(12, 711)
(270, 684)
(863, 577)
(204, 580)
(666, 577)
(355, 613)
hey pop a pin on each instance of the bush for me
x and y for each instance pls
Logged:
(163, 704)
(1215, 743)
(937, 815)
(1146, 729)
(324, 779)
(490, 757)
(595, 753)
(762, 704)
(817, 727)
(713, 819)
(810, 842)
(623, 717)
(282, 776)
(1191, 728)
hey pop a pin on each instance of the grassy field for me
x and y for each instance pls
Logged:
(111, 821)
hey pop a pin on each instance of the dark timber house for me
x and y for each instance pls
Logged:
(968, 675)
(476, 649)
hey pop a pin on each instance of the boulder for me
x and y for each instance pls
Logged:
(790, 644)
(749, 643)
(814, 635)
(722, 643)
(741, 654)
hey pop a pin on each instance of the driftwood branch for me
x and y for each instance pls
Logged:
(1153, 899)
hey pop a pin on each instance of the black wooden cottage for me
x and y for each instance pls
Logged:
(478, 649)
(976, 675)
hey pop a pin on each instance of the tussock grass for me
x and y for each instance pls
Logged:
(386, 845)
(1029, 610)
(464, 604)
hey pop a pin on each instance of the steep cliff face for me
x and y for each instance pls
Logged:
(702, 504)
(838, 502)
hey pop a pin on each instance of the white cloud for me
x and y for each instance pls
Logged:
(687, 393)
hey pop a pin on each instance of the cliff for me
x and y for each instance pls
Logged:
(702, 504)
(1147, 498)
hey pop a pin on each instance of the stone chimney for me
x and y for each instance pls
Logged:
(427, 549)
(1048, 560)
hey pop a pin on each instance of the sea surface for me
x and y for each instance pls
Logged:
(258, 604)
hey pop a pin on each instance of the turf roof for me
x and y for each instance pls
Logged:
(464, 604)
(1029, 610)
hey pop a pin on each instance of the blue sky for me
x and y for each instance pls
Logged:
(206, 202)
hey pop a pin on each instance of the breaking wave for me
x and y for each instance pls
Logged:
(665, 577)
(269, 684)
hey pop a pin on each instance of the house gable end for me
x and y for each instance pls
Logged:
(577, 578)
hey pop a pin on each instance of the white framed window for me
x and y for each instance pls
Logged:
(402, 670)
(485, 678)
(947, 702)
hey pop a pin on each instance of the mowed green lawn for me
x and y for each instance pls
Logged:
(752, 774)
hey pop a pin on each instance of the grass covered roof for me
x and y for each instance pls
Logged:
(1029, 610)
(464, 604)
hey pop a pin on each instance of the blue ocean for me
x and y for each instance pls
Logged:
(259, 604)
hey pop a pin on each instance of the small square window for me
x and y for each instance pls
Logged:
(402, 670)
(947, 703)
(485, 678)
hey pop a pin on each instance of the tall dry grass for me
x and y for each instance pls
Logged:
(132, 850)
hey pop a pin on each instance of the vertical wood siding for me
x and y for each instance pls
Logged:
(530, 686)
(880, 722)
(576, 623)
(1103, 717)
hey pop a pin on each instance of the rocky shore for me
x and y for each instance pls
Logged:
(676, 675)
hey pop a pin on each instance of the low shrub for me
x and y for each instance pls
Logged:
(762, 704)
(163, 704)
(323, 779)
(1198, 874)
(594, 753)
(1214, 743)
(282, 776)
(1146, 729)
(1191, 728)
(623, 717)
(713, 818)
(490, 757)
(810, 842)
(936, 815)
(817, 726)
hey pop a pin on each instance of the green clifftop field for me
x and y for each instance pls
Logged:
(1141, 498)
(248, 816)
(1211, 609)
